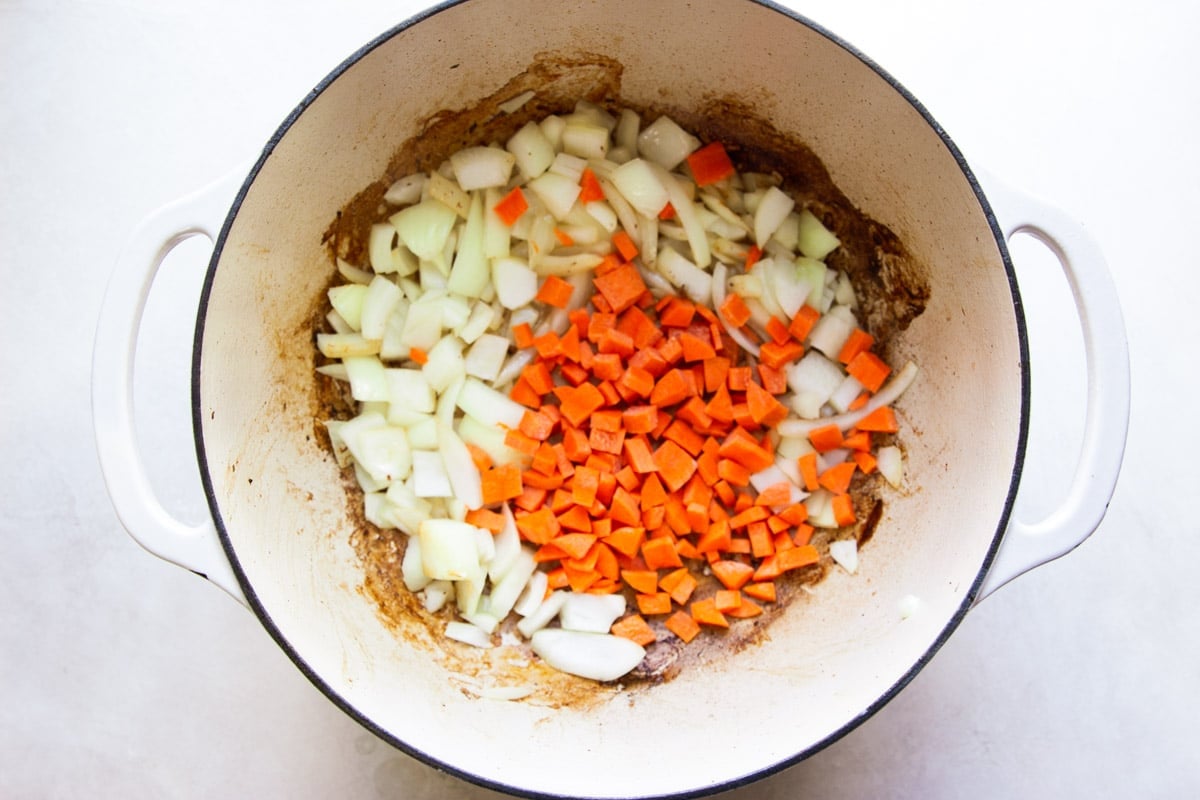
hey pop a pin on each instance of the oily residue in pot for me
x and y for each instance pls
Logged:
(892, 290)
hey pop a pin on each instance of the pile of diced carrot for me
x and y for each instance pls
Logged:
(644, 426)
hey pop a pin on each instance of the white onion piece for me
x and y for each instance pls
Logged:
(884, 397)
(481, 167)
(718, 288)
(448, 549)
(348, 300)
(845, 553)
(516, 284)
(425, 227)
(429, 478)
(542, 616)
(665, 143)
(813, 239)
(446, 363)
(890, 464)
(535, 592)
(773, 208)
(469, 273)
(585, 140)
(381, 299)
(506, 544)
(515, 103)
(556, 192)
(477, 323)
(412, 569)
(468, 634)
(489, 406)
(341, 345)
(486, 356)
(512, 368)
(697, 236)
(436, 594)
(506, 590)
(465, 481)
(368, 379)
(638, 182)
(379, 247)
(695, 283)
(407, 190)
(597, 656)
(813, 380)
(591, 613)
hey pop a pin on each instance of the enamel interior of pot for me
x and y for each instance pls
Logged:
(280, 500)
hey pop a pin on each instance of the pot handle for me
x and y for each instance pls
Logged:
(194, 547)
(1029, 544)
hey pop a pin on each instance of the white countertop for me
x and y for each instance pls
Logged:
(126, 677)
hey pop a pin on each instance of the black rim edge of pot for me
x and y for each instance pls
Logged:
(734, 783)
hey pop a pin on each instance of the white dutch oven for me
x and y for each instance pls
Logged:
(281, 520)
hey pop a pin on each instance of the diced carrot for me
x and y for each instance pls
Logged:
(802, 323)
(695, 348)
(670, 389)
(808, 471)
(745, 610)
(866, 462)
(660, 553)
(575, 519)
(538, 527)
(642, 581)
(869, 370)
(776, 494)
(753, 255)
(778, 330)
(773, 380)
(574, 545)
(634, 628)
(837, 478)
(418, 355)
(590, 188)
(627, 541)
(486, 519)
(727, 600)
(881, 420)
(654, 604)
(679, 584)
(624, 244)
(682, 625)
(857, 440)
(764, 591)
(674, 464)
(763, 406)
(776, 355)
(522, 335)
(479, 457)
(843, 510)
(744, 449)
(510, 207)
(732, 574)
(734, 310)
(705, 612)
(640, 419)
(621, 287)
(501, 483)
(858, 341)
(677, 313)
(797, 557)
(624, 507)
(639, 456)
(710, 164)
(653, 492)
(826, 438)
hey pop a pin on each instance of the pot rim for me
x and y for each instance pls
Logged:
(849, 725)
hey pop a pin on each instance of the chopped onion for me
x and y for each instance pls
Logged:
(429, 476)
(465, 482)
(598, 656)
(891, 464)
(469, 274)
(686, 276)
(486, 356)
(425, 227)
(813, 239)
(557, 192)
(638, 183)
(591, 613)
(481, 167)
(467, 634)
(772, 209)
(407, 190)
(845, 553)
(665, 143)
(448, 549)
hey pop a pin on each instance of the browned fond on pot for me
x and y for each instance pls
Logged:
(892, 287)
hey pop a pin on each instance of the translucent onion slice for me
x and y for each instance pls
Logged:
(885, 397)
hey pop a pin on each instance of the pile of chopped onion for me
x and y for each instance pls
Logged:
(424, 336)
